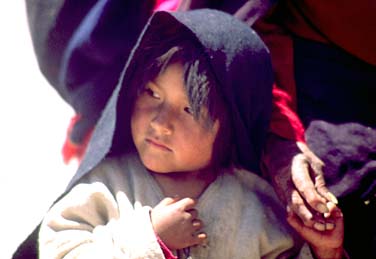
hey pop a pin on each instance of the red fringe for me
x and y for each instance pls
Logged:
(285, 122)
(73, 150)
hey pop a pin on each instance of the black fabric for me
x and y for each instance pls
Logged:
(29, 248)
(349, 153)
(335, 102)
(332, 85)
(81, 49)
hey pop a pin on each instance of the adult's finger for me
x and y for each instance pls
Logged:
(316, 166)
(298, 206)
(322, 189)
(301, 177)
(311, 219)
(287, 192)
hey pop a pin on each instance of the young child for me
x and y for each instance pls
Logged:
(164, 175)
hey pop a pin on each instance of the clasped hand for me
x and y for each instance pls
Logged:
(176, 223)
(298, 179)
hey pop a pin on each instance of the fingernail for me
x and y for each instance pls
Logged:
(202, 235)
(329, 226)
(196, 223)
(322, 208)
(319, 226)
(332, 198)
(338, 214)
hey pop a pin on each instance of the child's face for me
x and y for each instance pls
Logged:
(167, 136)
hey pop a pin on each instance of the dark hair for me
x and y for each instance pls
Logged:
(202, 88)
(198, 82)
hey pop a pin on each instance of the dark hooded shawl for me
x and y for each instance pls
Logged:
(81, 48)
(241, 64)
(67, 33)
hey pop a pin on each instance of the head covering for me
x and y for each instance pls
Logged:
(95, 55)
(81, 49)
(240, 62)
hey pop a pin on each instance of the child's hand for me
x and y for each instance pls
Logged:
(324, 244)
(175, 222)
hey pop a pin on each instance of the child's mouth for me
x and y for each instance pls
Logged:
(157, 144)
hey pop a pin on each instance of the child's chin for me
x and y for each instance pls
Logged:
(157, 167)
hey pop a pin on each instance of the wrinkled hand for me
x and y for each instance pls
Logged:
(326, 244)
(297, 176)
(176, 223)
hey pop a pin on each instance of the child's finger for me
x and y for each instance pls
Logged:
(193, 214)
(197, 224)
(337, 213)
(334, 217)
(186, 203)
(304, 231)
(331, 238)
(201, 238)
(168, 201)
(331, 206)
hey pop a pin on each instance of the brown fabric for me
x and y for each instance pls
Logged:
(351, 25)
(285, 122)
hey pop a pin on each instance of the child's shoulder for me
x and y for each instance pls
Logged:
(113, 169)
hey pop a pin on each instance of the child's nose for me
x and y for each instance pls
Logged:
(162, 121)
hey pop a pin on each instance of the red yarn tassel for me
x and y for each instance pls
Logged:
(72, 150)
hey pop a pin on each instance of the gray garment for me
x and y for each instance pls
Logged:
(107, 214)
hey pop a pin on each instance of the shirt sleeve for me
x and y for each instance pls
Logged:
(91, 222)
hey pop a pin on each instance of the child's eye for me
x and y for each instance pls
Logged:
(151, 93)
(188, 110)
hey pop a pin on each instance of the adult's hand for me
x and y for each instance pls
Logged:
(297, 176)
